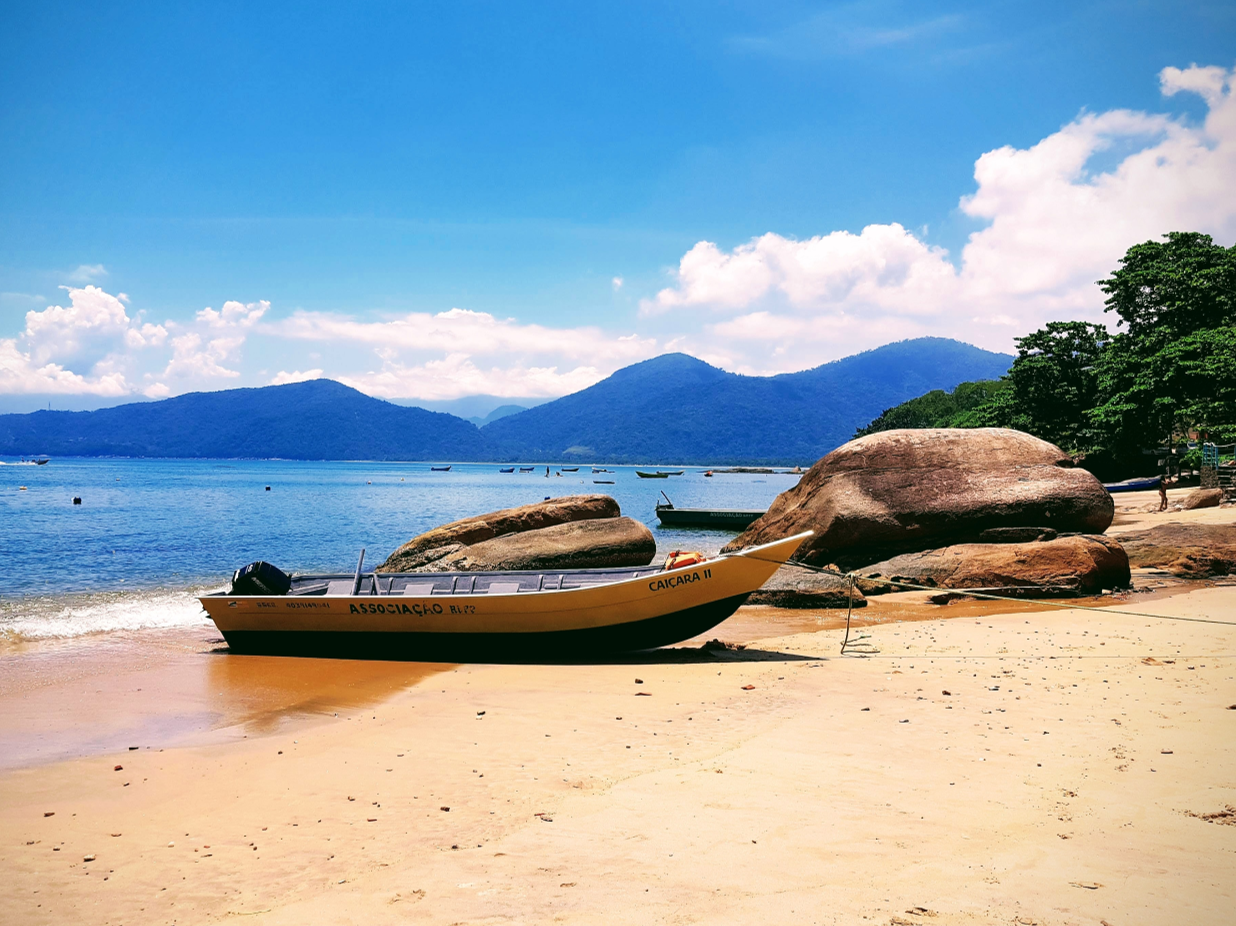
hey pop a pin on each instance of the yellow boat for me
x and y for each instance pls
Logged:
(494, 616)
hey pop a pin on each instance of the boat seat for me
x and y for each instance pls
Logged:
(503, 588)
(339, 587)
(420, 589)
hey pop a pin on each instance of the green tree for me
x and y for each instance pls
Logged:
(1053, 384)
(938, 409)
(1168, 289)
(1171, 369)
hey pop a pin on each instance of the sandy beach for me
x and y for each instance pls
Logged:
(984, 763)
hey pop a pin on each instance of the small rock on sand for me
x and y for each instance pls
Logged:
(1202, 498)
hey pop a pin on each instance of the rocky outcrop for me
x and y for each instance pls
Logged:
(1195, 551)
(792, 587)
(449, 539)
(905, 490)
(1082, 564)
(575, 545)
(1202, 498)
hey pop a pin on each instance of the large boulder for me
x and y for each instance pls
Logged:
(1195, 551)
(905, 490)
(1081, 564)
(575, 545)
(792, 587)
(433, 545)
(1202, 498)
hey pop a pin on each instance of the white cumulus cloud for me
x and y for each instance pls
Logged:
(78, 348)
(283, 377)
(462, 352)
(1053, 225)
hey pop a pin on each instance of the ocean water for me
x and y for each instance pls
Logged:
(151, 534)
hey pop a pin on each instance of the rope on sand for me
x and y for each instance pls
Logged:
(869, 648)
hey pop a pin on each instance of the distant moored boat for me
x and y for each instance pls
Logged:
(644, 475)
(440, 469)
(1134, 485)
(725, 519)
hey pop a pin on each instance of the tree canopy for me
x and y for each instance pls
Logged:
(1171, 370)
(939, 409)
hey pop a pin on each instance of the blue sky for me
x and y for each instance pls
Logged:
(371, 182)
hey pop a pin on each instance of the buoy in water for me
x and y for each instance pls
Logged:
(268, 488)
(77, 499)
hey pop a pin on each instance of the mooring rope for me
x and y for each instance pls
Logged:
(850, 578)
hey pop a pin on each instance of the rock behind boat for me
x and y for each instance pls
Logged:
(1078, 564)
(792, 587)
(583, 530)
(907, 491)
(591, 544)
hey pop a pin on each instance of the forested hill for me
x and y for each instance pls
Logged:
(677, 408)
(316, 420)
(670, 409)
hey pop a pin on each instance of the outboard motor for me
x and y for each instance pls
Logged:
(260, 579)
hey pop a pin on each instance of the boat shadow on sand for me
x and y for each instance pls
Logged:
(713, 651)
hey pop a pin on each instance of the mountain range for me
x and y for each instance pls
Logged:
(673, 408)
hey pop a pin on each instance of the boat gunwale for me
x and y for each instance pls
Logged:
(462, 598)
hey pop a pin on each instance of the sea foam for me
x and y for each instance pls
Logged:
(49, 617)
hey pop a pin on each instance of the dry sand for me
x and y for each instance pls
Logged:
(1044, 766)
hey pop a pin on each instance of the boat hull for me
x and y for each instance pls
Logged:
(717, 519)
(546, 645)
(647, 610)
(1134, 485)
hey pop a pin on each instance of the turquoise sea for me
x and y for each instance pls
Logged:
(149, 534)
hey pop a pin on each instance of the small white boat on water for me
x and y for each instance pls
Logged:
(490, 616)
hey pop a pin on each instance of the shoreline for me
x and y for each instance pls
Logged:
(181, 658)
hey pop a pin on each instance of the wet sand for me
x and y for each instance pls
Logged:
(1066, 777)
(90, 696)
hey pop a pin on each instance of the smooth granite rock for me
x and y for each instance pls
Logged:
(906, 490)
(1195, 551)
(1083, 564)
(792, 587)
(449, 539)
(587, 544)
(1202, 498)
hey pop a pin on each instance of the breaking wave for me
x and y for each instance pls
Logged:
(51, 617)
